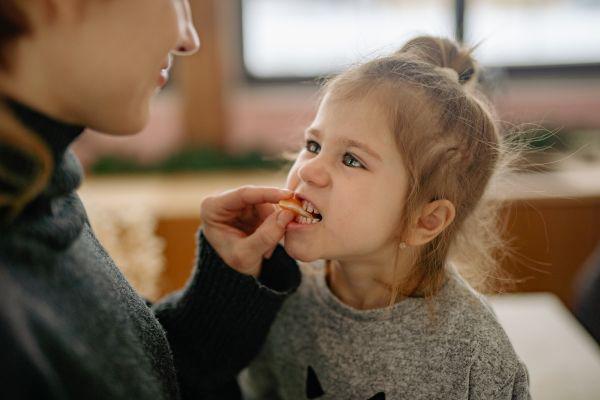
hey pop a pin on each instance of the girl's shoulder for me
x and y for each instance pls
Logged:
(467, 314)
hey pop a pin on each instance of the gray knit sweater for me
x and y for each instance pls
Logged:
(320, 348)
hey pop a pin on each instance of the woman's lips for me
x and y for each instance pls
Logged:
(163, 77)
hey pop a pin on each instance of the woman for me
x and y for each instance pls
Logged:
(70, 324)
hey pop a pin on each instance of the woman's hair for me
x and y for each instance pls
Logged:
(451, 146)
(25, 161)
(13, 24)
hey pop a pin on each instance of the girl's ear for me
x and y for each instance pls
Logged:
(433, 218)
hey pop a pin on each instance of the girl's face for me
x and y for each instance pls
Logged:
(352, 172)
(104, 59)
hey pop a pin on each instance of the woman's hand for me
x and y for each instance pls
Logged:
(244, 226)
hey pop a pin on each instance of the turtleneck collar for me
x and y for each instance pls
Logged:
(56, 217)
(57, 135)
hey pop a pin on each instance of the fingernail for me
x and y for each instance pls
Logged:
(284, 217)
(287, 192)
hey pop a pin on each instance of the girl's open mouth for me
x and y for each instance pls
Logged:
(306, 212)
(304, 220)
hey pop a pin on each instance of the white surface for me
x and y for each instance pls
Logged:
(562, 358)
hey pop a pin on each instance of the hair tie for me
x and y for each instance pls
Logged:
(449, 73)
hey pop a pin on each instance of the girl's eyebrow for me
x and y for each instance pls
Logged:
(348, 142)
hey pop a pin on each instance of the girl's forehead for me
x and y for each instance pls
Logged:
(353, 119)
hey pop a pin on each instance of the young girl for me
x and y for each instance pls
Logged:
(395, 167)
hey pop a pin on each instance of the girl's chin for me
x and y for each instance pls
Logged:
(298, 253)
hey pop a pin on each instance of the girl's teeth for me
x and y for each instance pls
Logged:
(306, 221)
(308, 206)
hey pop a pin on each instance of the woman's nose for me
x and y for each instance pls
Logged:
(188, 42)
(314, 172)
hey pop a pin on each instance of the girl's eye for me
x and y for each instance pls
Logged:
(312, 146)
(351, 161)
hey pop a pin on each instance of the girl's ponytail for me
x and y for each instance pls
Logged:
(444, 54)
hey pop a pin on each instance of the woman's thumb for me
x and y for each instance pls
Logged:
(284, 217)
(268, 234)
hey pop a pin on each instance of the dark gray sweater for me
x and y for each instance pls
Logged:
(72, 327)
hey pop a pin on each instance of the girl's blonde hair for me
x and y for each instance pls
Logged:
(450, 142)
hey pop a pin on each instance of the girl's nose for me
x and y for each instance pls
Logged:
(188, 42)
(313, 172)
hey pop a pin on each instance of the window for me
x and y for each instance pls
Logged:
(286, 39)
(534, 32)
(304, 38)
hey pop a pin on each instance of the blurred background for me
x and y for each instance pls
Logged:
(250, 91)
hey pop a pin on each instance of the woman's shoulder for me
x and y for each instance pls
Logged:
(27, 321)
(27, 334)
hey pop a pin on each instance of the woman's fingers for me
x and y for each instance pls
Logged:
(266, 237)
(243, 225)
(237, 199)
(264, 210)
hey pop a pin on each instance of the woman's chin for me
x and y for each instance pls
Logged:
(123, 127)
(125, 119)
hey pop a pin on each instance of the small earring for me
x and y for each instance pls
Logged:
(402, 246)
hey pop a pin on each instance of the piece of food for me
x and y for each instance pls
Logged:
(294, 205)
